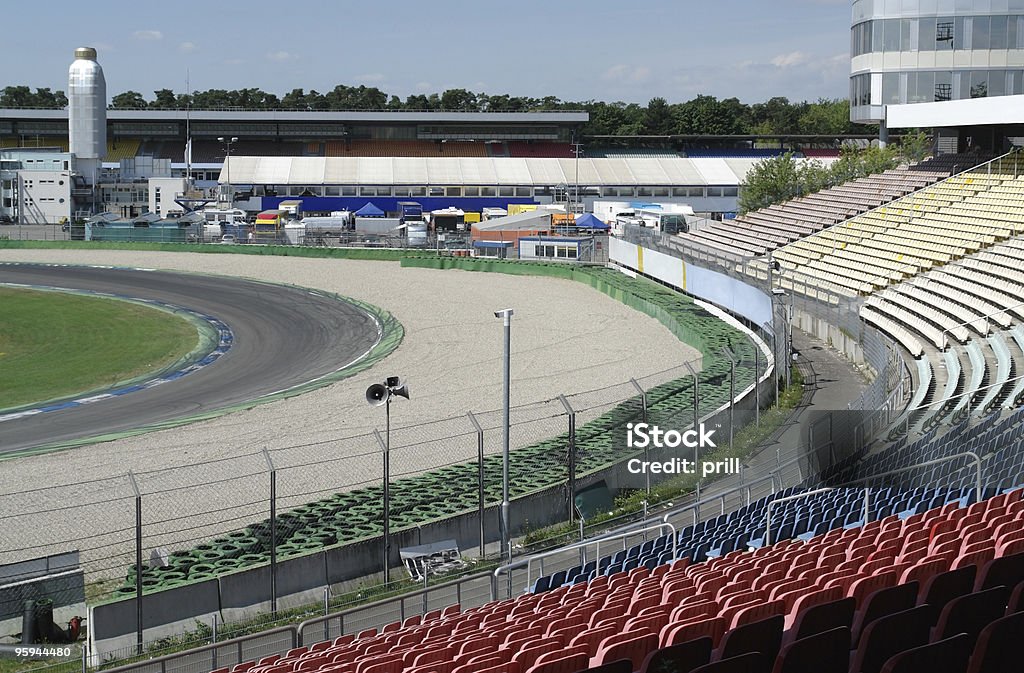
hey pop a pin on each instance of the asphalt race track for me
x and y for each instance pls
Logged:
(283, 337)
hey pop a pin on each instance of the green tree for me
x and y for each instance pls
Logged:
(826, 117)
(658, 120)
(16, 96)
(772, 180)
(129, 100)
(163, 99)
(459, 100)
(914, 147)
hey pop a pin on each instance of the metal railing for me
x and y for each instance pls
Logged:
(469, 591)
(595, 542)
(799, 496)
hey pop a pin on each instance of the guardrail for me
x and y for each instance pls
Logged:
(596, 542)
(332, 625)
(215, 655)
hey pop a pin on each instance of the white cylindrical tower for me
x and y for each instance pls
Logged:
(87, 111)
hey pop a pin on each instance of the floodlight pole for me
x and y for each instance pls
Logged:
(506, 534)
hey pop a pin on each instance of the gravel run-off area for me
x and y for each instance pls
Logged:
(566, 338)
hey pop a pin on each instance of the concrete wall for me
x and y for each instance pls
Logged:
(734, 295)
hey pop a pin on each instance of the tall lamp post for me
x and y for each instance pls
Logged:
(227, 169)
(506, 536)
(376, 395)
(775, 270)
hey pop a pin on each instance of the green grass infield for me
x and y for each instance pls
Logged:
(55, 345)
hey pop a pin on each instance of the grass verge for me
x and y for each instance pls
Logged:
(55, 344)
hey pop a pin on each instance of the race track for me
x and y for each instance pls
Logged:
(283, 337)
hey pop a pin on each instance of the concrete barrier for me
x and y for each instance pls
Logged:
(112, 626)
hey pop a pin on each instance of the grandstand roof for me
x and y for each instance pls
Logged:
(486, 171)
(997, 110)
(549, 117)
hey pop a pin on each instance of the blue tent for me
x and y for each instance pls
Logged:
(370, 210)
(588, 221)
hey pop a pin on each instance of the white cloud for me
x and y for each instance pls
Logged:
(627, 73)
(793, 58)
(281, 56)
(148, 35)
(188, 47)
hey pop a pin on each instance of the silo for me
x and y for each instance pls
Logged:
(87, 112)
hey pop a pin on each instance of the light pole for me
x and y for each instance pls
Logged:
(732, 389)
(506, 536)
(696, 420)
(376, 395)
(774, 266)
(227, 169)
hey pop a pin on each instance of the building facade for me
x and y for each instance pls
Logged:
(921, 51)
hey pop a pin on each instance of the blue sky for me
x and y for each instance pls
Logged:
(575, 50)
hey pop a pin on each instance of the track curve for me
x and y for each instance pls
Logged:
(283, 337)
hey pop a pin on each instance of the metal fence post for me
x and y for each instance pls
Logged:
(480, 476)
(138, 563)
(643, 416)
(273, 532)
(386, 541)
(572, 455)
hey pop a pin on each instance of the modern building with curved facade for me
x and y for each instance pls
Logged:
(921, 51)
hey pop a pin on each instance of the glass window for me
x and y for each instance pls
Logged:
(436, 191)
(979, 83)
(508, 191)
(890, 88)
(997, 83)
(1018, 82)
(980, 33)
(926, 33)
(730, 191)
(644, 191)
(522, 191)
(905, 35)
(925, 87)
(876, 35)
(472, 191)
(961, 39)
(891, 35)
(661, 191)
(453, 191)
(348, 191)
(997, 33)
(332, 191)
(943, 86)
(417, 191)
(680, 191)
(488, 191)
(1016, 5)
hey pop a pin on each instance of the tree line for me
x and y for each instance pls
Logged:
(702, 115)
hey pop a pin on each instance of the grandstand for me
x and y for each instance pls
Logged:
(950, 569)
(756, 233)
